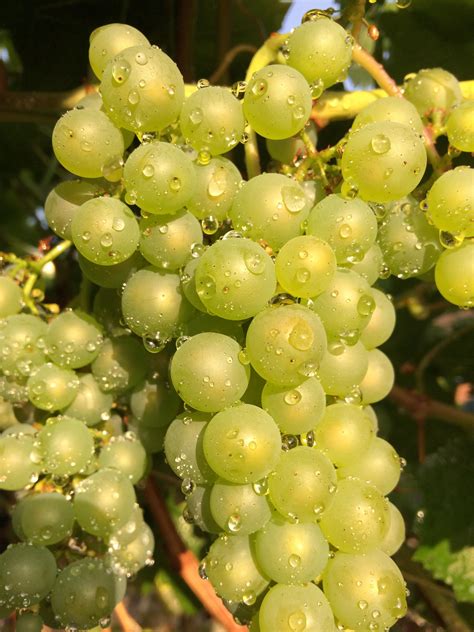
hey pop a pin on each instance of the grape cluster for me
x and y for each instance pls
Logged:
(235, 325)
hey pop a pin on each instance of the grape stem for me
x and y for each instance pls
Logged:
(36, 266)
(229, 58)
(126, 621)
(185, 562)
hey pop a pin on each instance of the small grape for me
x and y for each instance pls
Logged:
(108, 41)
(11, 298)
(433, 89)
(126, 454)
(120, 365)
(43, 519)
(451, 202)
(73, 339)
(63, 201)
(391, 109)
(52, 388)
(454, 275)
(460, 126)
(238, 509)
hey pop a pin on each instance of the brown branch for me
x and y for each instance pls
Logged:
(446, 609)
(185, 562)
(229, 58)
(376, 71)
(125, 620)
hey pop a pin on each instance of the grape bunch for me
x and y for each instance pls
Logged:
(235, 325)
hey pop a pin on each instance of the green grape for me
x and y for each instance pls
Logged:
(242, 444)
(154, 404)
(391, 109)
(344, 433)
(296, 409)
(217, 182)
(20, 463)
(13, 392)
(207, 373)
(454, 275)
(238, 508)
(159, 178)
(73, 339)
(212, 120)
(105, 231)
(291, 553)
(154, 307)
(321, 50)
(198, 510)
(206, 322)
(381, 323)
(380, 466)
(188, 285)
(28, 573)
(277, 102)
(91, 405)
(270, 206)
(87, 143)
(121, 364)
(52, 388)
(433, 89)
(285, 344)
(29, 622)
(129, 531)
(21, 345)
(18, 429)
(231, 569)
(451, 202)
(379, 379)
(358, 518)
(142, 89)
(361, 586)
(63, 201)
(108, 41)
(66, 445)
(370, 266)
(286, 150)
(43, 519)
(131, 557)
(295, 609)
(103, 502)
(395, 535)
(7, 415)
(460, 127)
(127, 454)
(11, 297)
(410, 245)
(383, 161)
(85, 593)
(184, 448)
(107, 310)
(166, 241)
(346, 306)
(305, 266)
(348, 226)
(343, 367)
(235, 278)
(114, 276)
(302, 485)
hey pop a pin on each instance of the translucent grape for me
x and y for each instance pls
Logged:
(433, 89)
(131, 557)
(217, 182)
(395, 535)
(142, 89)
(277, 101)
(348, 226)
(129, 531)
(242, 444)
(379, 467)
(29, 622)
(207, 373)
(198, 510)
(43, 519)
(302, 485)
(64, 200)
(73, 339)
(321, 50)
(381, 323)
(86, 142)
(391, 109)
(454, 274)
(159, 178)
(184, 448)
(154, 404)
(114, 276)
(52, 388)
(91, 405)
(66, 445)
(287, 150)
(11, 298)
(451, 202)
(121, 364)
(343, 367)
(21, 345)
(370, 266)
(110, 40)
(272, 207)
(125, 453)
(379, 379)
(238, 508)
(460, 127)
(384, 161)
(286, 344)
(19, 462)
(235, 278)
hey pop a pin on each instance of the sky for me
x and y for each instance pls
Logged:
(298, 9)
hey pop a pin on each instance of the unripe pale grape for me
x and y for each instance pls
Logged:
(207, 373)
(66, 445)
(131, 557)
(198, 510)
(460, 126)
(52, 388)
(287, 150)
(270, 206)
(370, 266)
(86, 142)
(395, 535)
(105, 231)
(296, 409)
(384, 161)
(285, 344)
(114, 276)
(380, 466)
(184, 448)
(130, 530)
(433, 89)
(321, 50)
(242, 444)
(391, 109)
(142, 89)
(305, 266)
(212, 120)
(7, 415)
(342, 367)
(381, 323)
(21, 345)
(11, 298)
(19, 462)
(159, 178)
(63, 201)
(166, 240)
(359, 586)
(91, 405)
(126, 454)
(109, 40)
(154, 404)
(121, 364)
(295, 608)
(379, 379)
(291, 553)
(348, 226)
(302, 485)
(235, 278)
(451, 201)
(29, 622)
(73, 339)
(231, 569)
(238, 509)
(344, 433)
(454, 274)
(277, 101)
(43, 519)
(217, 182)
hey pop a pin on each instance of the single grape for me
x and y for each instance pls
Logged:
(370, 266)
(29, 622)
(380, 466)
(154, 404)
(127, 454)
(21, 345)
(433, 89)
(63, 201)
(131, 557)
(52, 388)
(381, 323)
(184, 448)
(114, 276)
(454, 274)
(460, 126)
(395, 535)
(130, 530)
(287, 150)
(7, 415)
(391, 109)
(238, 509)
(73, 339)
(343, 367)
(379, 379)
(11, 297)
(277, 101)
(43, 519)
(108, 41)
(198, 510)
(91, 405)
(66, 446)
(121, 364)
(20, 462)
(451, 202)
